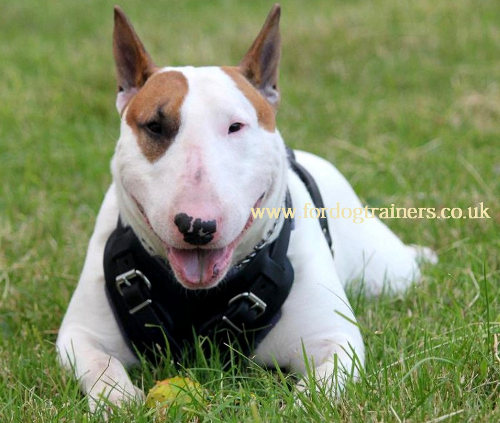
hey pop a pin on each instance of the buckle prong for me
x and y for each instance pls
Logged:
(126, 279)
(256, 302)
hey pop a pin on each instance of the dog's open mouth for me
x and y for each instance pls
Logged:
(200, 268)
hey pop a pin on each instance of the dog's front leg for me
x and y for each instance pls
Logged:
(317, 335)
(89, 342)
(101, 375)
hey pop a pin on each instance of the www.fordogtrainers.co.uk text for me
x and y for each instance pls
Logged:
(360, 214)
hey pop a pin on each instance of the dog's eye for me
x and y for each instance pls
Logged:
(154, 128)
(235, 127)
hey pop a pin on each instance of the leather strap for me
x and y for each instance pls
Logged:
(314, 192)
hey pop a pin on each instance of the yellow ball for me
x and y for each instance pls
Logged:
(174, 391)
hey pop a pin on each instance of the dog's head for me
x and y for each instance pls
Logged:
(198, 149)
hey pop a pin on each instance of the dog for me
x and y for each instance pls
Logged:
(198, 149)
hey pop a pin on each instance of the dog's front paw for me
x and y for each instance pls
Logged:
(307, 391)
(327, 380)
(110, 397)
(330, 386)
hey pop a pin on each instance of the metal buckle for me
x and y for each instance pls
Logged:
(126, 278)
(256, 303)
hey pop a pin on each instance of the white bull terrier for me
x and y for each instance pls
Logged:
(201, 143)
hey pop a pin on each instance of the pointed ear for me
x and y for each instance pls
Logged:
(260, 64)
(133, 64)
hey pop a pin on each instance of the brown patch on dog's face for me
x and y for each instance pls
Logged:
(154, 112)
(265, 112)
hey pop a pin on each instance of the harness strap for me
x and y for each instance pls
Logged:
(314, 192)
(130, 293)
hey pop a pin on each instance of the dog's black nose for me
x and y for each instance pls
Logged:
(195, 231)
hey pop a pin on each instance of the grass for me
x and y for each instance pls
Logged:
(403, 97)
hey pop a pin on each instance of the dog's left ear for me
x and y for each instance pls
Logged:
(133, 63)
(260, 64)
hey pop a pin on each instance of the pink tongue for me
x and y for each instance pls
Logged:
(199, 267)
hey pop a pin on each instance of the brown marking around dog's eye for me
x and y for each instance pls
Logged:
(265, 112)
(154, 113)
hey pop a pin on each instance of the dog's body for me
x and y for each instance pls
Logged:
(202, 143)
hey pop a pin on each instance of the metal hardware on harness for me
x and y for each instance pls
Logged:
(140, 306)
(236, 328)
(256, 302)
(260, 245)
(127, 278)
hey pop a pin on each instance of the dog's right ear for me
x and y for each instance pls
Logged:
(133, 63)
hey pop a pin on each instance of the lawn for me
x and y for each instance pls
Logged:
(404, 98)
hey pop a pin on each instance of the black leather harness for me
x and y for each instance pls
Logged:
(155, 312)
